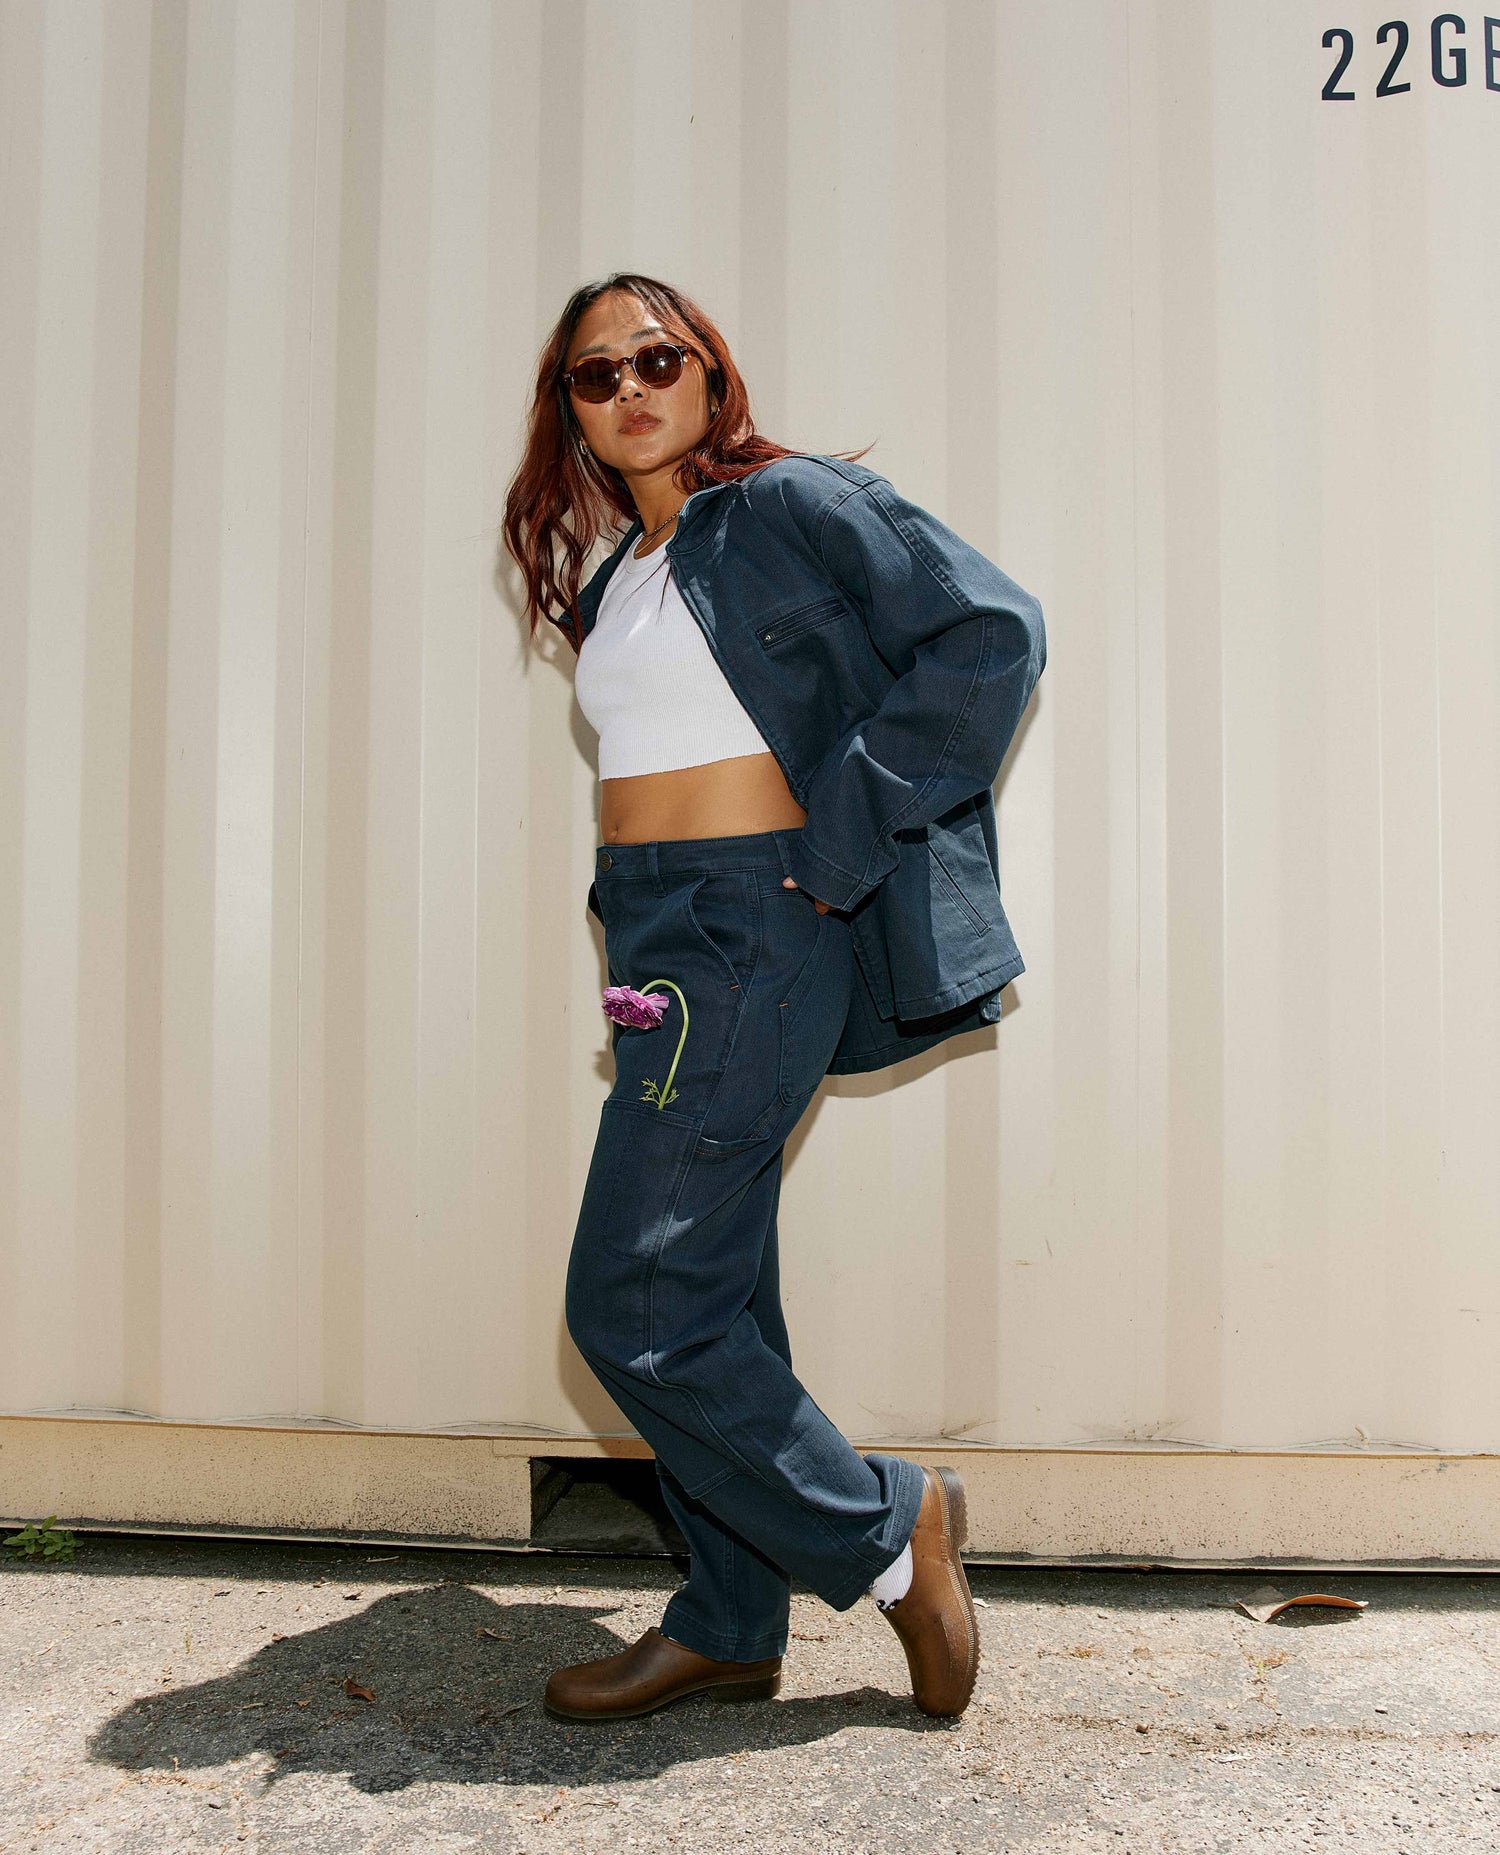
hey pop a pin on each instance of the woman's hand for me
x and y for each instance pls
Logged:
(790, 882)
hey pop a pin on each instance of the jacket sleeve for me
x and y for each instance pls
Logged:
(966, 645)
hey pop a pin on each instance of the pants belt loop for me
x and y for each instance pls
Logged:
(783, 852)
(653, 864)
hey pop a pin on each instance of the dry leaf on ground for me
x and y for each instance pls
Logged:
(1266, 1602)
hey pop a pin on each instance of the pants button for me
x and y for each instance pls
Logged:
(605, 859)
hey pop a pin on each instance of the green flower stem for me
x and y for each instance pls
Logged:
(666, 1088)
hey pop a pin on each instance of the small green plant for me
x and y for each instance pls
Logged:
(48, 1541)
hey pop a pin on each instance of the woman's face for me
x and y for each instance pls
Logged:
(640, 430)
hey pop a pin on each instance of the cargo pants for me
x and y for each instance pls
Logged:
(673, 1296)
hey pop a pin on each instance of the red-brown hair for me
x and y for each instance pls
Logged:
(561, 498)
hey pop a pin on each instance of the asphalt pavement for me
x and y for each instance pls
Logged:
(175, 1694)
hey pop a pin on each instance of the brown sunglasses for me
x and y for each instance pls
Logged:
(659, 363)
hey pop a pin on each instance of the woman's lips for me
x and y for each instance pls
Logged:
(640, 422)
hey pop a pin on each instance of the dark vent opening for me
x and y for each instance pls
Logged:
(601, 1504)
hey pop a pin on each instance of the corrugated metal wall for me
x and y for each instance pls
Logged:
(300, 1047)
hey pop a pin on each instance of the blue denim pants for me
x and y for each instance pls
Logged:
(673, 1295)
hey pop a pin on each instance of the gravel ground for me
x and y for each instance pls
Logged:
(190, 1694)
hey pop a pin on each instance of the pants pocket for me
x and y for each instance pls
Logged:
(697, 943)
(816, 1009)
(638, 1161)
(724, 908)
(772, 1116)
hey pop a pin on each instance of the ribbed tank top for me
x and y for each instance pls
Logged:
(649, 685)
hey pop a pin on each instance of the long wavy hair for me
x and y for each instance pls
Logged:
(561, 498)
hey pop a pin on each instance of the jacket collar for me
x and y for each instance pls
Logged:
(691, 532)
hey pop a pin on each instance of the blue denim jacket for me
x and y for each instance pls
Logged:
(887, 663)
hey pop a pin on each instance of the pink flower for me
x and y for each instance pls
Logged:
(643, 1010)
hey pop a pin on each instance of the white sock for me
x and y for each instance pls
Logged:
(895, 1581)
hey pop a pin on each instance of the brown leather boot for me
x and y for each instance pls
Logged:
(935, 1620)
(653, 1672)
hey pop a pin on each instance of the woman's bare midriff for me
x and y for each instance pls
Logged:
(725, 798)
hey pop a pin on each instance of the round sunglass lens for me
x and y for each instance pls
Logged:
(658, 365)
(594, 379)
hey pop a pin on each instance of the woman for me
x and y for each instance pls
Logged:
(803, 685)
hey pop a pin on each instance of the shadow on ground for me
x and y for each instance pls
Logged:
(453, 1705)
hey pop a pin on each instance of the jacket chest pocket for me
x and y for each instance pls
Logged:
(822, 666)
(786, 626)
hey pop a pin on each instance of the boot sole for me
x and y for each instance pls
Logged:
(956, 1525)
(766, 1687)
(958, 1508)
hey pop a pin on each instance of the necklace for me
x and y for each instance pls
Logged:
(660, 526)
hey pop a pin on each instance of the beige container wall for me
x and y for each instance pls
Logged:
(300, 1044)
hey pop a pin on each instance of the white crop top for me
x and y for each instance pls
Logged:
(649, 685)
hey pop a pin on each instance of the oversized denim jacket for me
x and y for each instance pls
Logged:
(887, 663)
